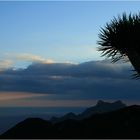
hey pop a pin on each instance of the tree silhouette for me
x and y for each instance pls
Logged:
(120, 39)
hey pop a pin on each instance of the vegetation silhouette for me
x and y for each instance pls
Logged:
(120, 39)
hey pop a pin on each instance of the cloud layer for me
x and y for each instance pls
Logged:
(89, 80)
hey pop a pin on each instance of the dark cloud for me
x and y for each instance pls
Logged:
(89, 80)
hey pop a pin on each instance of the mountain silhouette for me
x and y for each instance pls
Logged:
(67, 116)
(122, 123)
(31, 128)
(100, 107)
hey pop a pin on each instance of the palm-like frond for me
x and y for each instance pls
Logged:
(120, 37)
(135, 75)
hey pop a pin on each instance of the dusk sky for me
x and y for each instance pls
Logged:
(54, 31)
(49, 57)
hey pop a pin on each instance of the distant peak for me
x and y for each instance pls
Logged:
(100, 102)
(71, 113)
(119, 102)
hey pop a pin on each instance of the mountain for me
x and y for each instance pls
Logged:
(31, 128)
(122, 123)
(100, 107)
(70, 115)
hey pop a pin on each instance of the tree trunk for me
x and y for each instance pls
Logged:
(134, 58)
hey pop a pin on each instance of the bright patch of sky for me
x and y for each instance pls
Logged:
(55, 30)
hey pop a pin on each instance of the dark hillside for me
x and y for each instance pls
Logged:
(123, 123)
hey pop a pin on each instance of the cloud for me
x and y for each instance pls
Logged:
(7, 96)
(46, 103)
(32, 58)
(4, 64)
(26, 57)
(89, 80)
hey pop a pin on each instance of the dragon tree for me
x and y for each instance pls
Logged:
(120, 39)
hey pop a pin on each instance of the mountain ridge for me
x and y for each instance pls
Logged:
(100, 107)
(121, 123)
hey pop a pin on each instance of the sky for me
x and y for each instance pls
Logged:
(49, 57)
(60, 31)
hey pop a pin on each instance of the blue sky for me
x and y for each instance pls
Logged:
(60, 31)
